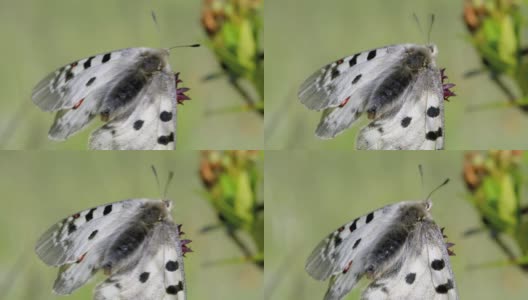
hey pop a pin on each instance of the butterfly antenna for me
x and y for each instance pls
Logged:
(185, 46)
(420, 171)
(438, 187)
(156, 177)
(419, 24)
(430, 28)
(169, 179)
(155, 20)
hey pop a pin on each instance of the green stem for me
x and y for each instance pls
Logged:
(247, 98)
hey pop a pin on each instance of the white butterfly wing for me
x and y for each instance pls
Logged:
(333, 83)
(423, 272)
(109, 85)
(157, 273)
(343, 253)
(344, 87)
(68, 240)
(151, 124)
(415, 125)
(65, 87)
(78, 90)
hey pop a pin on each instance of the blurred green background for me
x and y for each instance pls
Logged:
(322, 191)
(39, 189)
(41, 36)
(303, 36)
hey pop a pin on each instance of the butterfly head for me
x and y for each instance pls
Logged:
(420, 57)
(414, 212)
(153, 61)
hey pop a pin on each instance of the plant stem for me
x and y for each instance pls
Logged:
(509, 94)
(245, 249)
(508, 251)
(247, 98)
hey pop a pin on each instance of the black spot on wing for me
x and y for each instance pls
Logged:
(71, 228)
(371, 55)
(370, 217)
(356, 244)
(444, 288)
(174, 289)
(405, 122)
(171, 266)
(434, 135)
(68, 76)
(107, 210)
(433, 111)
(88, 62)
(353, 226)
(353, 61)
(106, 57)
(143, 277)
(166, 116)
(410, 278)
(438, 264)
(334, 74)
(356, 79)
(138, 124)
(166, 139)
(90, 81)
(92, 235)
(89, 215)
(337, 241)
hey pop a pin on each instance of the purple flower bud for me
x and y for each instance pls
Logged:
(446, 86)
(183, 243)
(180, 92)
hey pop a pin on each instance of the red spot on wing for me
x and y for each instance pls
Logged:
(78, 104)
(339, 61)
(76, 216)
(73, 65)
(81, 258)
(344, 102)
(347, 267)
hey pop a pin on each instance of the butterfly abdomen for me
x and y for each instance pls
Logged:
(389, 90)
(400, 78)
(123, 93)
(391, 243)
(387, 248)
(128, 88)
(125, 245)
(131, 239)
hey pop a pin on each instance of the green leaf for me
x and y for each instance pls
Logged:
(244, 200)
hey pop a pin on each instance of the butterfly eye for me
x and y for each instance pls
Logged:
(428, 204)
